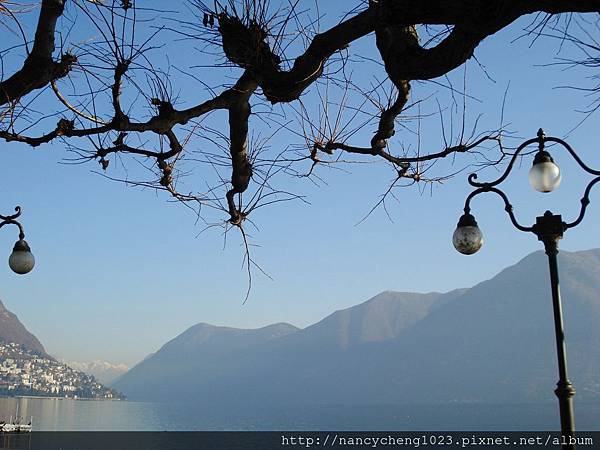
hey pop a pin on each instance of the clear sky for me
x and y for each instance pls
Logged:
(121, 270)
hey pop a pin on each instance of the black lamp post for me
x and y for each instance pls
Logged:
(544, 176)
(21, 259)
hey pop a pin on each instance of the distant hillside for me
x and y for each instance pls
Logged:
(12, 330)
(23, 372)
(26, 368)
(491, 343)
(103, 371)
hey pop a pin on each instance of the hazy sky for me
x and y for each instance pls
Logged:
(122, 270)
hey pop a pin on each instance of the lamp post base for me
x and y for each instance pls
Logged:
(565, 393)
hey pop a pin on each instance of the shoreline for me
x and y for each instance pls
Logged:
(63, 398)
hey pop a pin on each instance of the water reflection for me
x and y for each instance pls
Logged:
(55, 414)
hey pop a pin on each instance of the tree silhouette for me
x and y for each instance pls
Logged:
(94, 77)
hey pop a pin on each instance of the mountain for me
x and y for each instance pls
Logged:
(378, 319)
(26, 368)
(103, 371)
(490, 343)
(12, 330)
(203, 352)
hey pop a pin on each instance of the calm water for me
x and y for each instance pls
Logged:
(87, 415)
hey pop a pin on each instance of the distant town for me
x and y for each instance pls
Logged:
(25, 373)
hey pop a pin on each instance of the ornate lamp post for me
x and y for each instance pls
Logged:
(544, 176)
(21, 259)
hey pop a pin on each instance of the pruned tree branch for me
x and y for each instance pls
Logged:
(115, 98)
(39, 68)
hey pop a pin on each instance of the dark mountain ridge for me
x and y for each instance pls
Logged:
(12, 330)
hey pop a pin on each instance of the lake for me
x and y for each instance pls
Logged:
(93, 415)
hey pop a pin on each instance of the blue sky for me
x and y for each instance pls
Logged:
(121, 270)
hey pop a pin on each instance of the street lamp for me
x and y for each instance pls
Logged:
(544, 176)
(21, 259)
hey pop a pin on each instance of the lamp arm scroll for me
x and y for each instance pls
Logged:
(574, 155)
(6, 220)
(472, 177)
(507, 206)
(585, 201)
(12, 217)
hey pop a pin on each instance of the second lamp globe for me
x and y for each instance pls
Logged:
(467, 237)
(544, 175)
(21, 260)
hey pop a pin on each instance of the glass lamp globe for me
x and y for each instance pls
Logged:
(21, 259)
(544, 175)
(467, 237)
